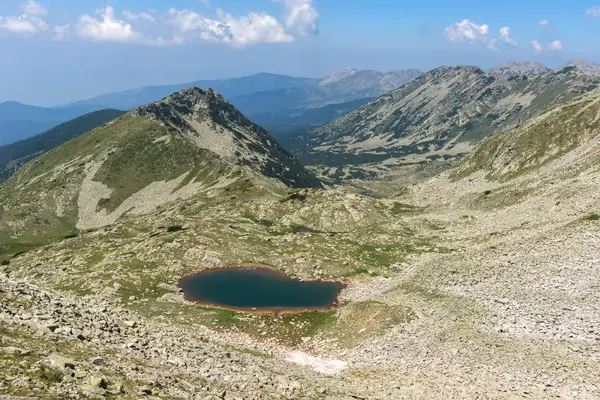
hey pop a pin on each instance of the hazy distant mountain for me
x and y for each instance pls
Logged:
(14, 155)
(279, 96)
(528, 69)
(341, 87)
(229, 88)
(21, 121)
(584, 66)
(272, 94)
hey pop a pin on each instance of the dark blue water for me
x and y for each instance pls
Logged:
(258, 288)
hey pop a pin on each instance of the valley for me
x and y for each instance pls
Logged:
(475, 276)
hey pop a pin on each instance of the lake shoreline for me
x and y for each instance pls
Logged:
(266, 271)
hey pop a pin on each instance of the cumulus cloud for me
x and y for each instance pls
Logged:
(505, 36)
(34, 8)
(237, 31)
(23, 24)
(593, 12)
(107, 29)
(470, 32)
(543, 22)
(149, 27)
(553, 46)
(301, 17)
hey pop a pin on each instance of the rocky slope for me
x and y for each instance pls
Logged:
(584, 66)
(190, 143)
(528, 69)
(441, 115)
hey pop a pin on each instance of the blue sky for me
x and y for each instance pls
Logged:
(56, 51)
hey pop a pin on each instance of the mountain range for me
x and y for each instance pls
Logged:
(277, 102)
(441, 115)
(265, 96)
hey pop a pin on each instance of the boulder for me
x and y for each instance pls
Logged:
(58, 361)
(14, 351)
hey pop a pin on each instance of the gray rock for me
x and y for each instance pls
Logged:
(56, 360)
(99, 382)
(97, 361)
(14, 351)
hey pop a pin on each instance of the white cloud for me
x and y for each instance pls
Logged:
(554, 46)
(301, 17)
(33, 8)
(109, 29)
(237, 31)
(470, 32)
(505, 36)
(143, 16)
(593, 12)
(254, 28)
(544, 22)
(193, 25)
(205, 2)
(23, 24)
(176, 27)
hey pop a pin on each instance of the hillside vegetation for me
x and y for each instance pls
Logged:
(13, 156)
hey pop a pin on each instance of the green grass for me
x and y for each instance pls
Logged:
(401, 208)
(592, 217)
(532, 145)
(139, 161)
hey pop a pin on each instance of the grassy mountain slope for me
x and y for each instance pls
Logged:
(190, 143)
(539, 141)
(14, 155)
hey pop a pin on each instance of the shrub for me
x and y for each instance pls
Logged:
(592, 217)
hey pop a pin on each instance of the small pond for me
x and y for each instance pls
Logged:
(260, 290)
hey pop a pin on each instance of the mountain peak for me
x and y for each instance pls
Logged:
(338, 75)
(210, 122)
(526, 68)
(584, 66)
(177, 108)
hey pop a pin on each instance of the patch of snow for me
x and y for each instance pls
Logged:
(324, 366)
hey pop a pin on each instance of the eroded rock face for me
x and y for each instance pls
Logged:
(211, 122)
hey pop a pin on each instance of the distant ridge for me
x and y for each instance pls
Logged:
(527, 68)
(14, 155)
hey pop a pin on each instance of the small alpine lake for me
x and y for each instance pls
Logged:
(259, 290)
